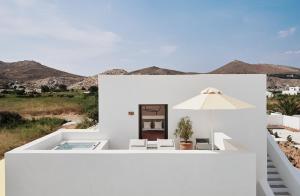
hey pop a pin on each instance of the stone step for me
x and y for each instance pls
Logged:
(278, 190)
(281, 193)
(276, 183)
(273, 176)
(278, 186)
(274, 179)
(272, 172)
(271, 169)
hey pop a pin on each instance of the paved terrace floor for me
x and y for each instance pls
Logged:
(2, 182)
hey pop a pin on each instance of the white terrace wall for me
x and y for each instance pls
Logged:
(130, 173)
(284, 120)
(119, 95)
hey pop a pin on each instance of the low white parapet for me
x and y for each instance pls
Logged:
(289, 174)
(32, 170)
(284, 120)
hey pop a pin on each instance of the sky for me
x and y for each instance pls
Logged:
(87, 37)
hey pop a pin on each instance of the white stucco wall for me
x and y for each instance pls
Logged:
(284, 120)
(120, 94)
(134, 173)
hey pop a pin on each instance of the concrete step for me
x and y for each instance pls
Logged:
(278, 186)
(272, 172)
(271, 169)
(274, 179)
(276, 183)
(271, 166)
(278, 190)
(273, 175)
(281, 193)
(269, 163)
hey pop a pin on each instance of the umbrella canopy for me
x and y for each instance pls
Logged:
(212, 99)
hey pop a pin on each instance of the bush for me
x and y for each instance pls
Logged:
(289, 138)
(9, 119)
(94, 114)
(276, 135)
(2, 95)
(20, 92)
(86, 123)
(93, 90)
(45, 89)
(62, 87)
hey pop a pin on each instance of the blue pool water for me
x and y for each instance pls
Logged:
(77, 146)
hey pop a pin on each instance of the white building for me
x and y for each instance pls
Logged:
(100, 162)
(269, 94)
(291, 91)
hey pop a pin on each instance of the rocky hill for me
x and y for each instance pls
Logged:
(279, 76)
(155, 71)
(240, 67)
(33, 73)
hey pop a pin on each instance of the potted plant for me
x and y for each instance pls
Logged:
(184, 132)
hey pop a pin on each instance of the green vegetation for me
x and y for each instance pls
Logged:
(184, 129)
(20, 131)
(288, 105)
(49, 103)
(86, 123)
(22, 118)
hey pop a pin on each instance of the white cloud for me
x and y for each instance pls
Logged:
(39, 31)
(286, 32)
(292, 52)
(168, 49)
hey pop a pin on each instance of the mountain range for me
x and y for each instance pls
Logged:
(33, 74)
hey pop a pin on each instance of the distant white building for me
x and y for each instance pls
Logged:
(291, 91)
(269, 94)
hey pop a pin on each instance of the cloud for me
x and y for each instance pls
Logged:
(287, 32)
(292, 52)
(168, 49)
(36, 29)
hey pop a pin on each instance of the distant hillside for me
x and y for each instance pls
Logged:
(93, 80)
(155, 71)
(31, 71)
(239, 67)
(34, 74)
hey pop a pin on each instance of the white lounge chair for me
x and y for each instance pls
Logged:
(165, 144)
(138, 144)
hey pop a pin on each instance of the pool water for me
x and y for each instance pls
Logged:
(69, 145)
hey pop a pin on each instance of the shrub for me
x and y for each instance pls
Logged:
(45, 88)
(9, 119)
(276, 135)
(86, 123)
(184, 129)
(93, 90)
(93, 114)
(289, 138)
(62, 87)
(20, 92)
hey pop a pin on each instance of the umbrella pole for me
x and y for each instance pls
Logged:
(212, 131)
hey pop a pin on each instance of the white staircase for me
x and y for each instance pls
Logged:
(276, 183)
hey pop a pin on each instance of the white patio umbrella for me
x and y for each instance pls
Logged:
(212, 99)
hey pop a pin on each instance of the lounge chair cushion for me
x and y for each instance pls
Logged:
(165, 143)
(137, 143)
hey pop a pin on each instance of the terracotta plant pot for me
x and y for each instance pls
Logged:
(186, 145)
